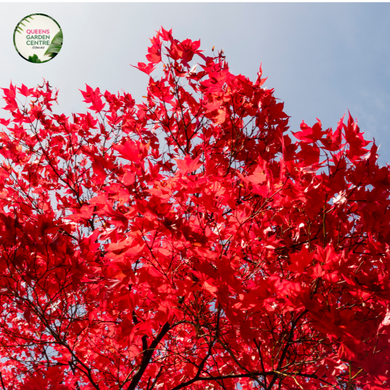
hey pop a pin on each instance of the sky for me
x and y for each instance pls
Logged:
(322, 59)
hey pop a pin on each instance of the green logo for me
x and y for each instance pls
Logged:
(38, 38)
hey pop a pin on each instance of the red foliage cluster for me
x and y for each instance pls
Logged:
(187, 242)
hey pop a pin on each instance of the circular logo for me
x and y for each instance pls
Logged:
(38, 38)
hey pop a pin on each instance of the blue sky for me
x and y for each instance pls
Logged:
(321, 58)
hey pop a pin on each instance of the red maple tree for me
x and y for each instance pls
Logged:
(187, 242)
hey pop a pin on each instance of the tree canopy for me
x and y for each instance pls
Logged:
(187, 241)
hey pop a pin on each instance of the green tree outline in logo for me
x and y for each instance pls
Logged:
(55, 45)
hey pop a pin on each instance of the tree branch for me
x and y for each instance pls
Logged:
(147, 355)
